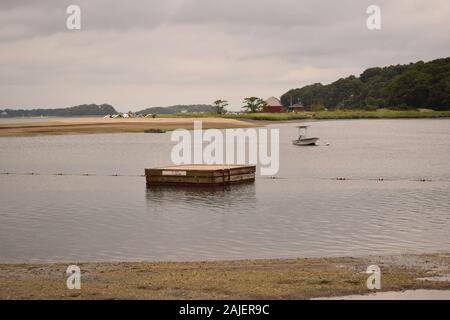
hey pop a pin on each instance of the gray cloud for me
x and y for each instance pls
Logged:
(135, 54)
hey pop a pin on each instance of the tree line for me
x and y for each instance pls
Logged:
(251, 104)
(77, 111)
(414, 85)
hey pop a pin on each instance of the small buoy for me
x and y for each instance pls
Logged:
(327, 144)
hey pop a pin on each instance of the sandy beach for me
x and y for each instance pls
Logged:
(100, 125)
(246, 279)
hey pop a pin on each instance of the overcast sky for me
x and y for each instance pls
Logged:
(135, 54)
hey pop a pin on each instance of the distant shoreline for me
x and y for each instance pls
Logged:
(326, 115)
(99, 125)
(302, 278)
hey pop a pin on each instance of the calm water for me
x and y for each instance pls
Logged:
(305, 212)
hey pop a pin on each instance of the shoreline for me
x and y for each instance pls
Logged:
(100, 126)
(96, 125)
(301, 278)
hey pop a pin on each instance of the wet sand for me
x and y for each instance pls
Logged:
(100, 125)
(246, 279)
(401, 295)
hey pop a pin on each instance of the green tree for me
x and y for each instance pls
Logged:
(254, 104)
(413, 85)
(316, 107)
(220, 106)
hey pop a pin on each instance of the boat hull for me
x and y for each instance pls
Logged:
(305, 142)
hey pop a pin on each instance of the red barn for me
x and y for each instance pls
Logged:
(273, 105)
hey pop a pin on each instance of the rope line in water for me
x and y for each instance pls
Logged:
(271, 178)
(359, 179)
(71, 174)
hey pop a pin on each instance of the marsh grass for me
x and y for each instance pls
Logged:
(379, 114)
(246, 279)
(335, 114)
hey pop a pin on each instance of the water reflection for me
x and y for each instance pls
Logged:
(227, 199)
(304, 212)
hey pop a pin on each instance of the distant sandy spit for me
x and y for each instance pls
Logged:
(99, 125)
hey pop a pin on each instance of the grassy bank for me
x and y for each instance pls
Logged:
(170, 122)
(379, 114)
(337, 114)
(247, 279)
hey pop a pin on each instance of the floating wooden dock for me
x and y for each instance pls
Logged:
(200, 175)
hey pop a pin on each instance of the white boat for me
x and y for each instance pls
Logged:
(303, 139)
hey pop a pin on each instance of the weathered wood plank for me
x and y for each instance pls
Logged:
(200, 174)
